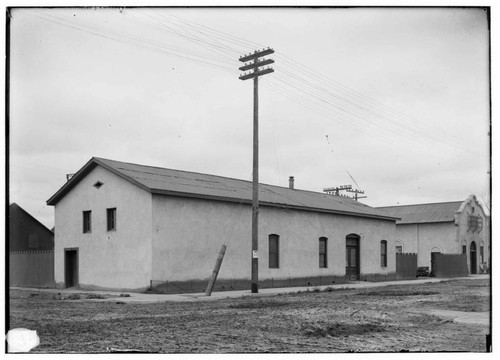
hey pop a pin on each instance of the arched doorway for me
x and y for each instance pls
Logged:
(352, 257)
(435, 250)
(473, 258)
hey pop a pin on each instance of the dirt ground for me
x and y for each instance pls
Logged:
(385, 319)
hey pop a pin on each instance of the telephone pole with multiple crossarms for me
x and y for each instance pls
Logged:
(256, 70)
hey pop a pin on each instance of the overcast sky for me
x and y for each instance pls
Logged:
(394, 101)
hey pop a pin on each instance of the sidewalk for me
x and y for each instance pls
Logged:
(464, 317)
(192, 297)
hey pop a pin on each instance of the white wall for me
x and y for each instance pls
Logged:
(188, 233)
(118, 259)
(466, 236)
(447, 237)
(426, 238)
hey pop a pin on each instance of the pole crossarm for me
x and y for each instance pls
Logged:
(348, 188)
(355, 191)
(256, 54)
(256, 74)
(337, 188)
(256, 64)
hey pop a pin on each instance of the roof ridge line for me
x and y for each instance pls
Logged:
(290, 197)
(433, 203)
(221, 176)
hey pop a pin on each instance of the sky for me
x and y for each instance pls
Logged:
(393, 101)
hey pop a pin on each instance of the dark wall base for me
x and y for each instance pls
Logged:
(199, 286)
(378, 277)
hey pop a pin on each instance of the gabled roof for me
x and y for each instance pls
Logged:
(196, 185)
(424, 213)
(13, 207)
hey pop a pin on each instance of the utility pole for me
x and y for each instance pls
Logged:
(254, 74)
(356, 192)
(337, 189)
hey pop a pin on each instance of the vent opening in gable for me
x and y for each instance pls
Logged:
(98, 184)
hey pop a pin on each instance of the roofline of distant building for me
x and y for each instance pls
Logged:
(32, 217)
(433, 203)
(424, 222)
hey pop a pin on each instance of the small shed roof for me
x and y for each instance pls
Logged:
(424, 213)
(190, 184)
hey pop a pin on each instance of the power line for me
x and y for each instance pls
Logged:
(327, 94)
(146, 44)
(350, 93)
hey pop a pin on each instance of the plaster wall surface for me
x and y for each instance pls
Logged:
(436, 237)
(120, 258)
(426, 238)
(447, 237)
(466, 235)
(188, 233)
(407, 237)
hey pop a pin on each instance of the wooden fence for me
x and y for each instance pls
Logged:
(406, 266)
(449, 265)
(31, 268)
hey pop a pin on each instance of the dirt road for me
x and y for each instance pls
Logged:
(386, 319)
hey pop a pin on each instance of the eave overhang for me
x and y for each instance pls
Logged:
(94, 162)
(270, 204)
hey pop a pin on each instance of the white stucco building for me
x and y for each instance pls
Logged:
(459, 227)
(127, 226)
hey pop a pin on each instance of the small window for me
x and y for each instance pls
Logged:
(274, 251)
(33, 241)
(323, 263)
(383, 253)
(111, 218)
(399, 249)
(481, 253)
(464, 249)
(98, 184)
(87, 221)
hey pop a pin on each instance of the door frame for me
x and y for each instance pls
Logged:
(473, 257)
(358, 256)
(75, 269)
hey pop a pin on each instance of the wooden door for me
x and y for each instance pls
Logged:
(352, 258)
(473, 258)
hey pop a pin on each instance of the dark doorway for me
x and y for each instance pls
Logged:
(352, 258)
(433, 261)
(473, 258)
(71, 267)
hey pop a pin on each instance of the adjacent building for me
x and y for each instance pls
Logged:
(129, 226)
(27, 233)
(31, 250)
(448, 227)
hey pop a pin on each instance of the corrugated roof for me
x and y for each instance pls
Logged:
(424, 213)
(190, 184)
